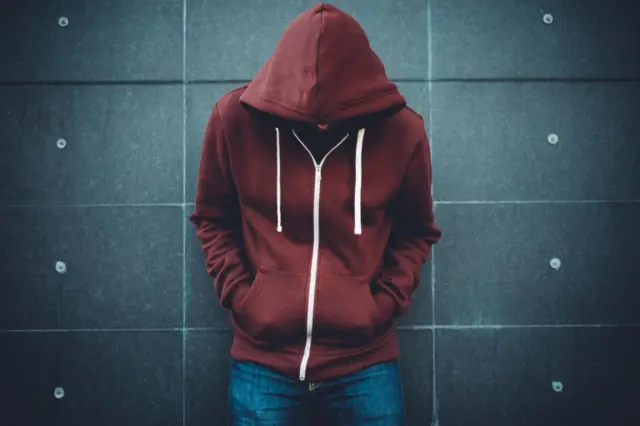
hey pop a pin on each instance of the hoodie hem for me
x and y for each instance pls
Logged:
(325, 363)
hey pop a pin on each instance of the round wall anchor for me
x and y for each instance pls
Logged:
(553, 139)
(555, 263)
(61, 267)
(63, 21)
(547, 18)
(61, 143)
(58, 392)
(557, 386)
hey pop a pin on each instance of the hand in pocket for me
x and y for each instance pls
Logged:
(345, 312)
(274, 309)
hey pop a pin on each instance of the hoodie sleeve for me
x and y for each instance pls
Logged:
(411, 237)
(217, 217)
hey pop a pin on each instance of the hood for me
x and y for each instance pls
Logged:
(323, 70)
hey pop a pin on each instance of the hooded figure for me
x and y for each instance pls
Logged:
(314, 204)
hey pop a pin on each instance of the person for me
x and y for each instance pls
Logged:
(315, 215)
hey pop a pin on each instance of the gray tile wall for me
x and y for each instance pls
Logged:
(528, 310)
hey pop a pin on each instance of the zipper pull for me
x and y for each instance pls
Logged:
(318, 173)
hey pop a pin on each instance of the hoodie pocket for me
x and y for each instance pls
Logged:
(273, 310)
(345, 312)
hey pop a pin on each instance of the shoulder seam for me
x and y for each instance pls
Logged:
(414, 111)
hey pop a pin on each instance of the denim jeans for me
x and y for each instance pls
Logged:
(260, 396)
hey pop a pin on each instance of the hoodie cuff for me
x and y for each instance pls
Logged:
(386, 305)
(238, 295)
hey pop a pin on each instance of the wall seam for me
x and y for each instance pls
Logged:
(184, 212)
(434, 390)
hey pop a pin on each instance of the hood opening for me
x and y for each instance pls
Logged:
(323, 71)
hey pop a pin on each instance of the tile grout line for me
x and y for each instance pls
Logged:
(434, 404)
(491, 202)
(435, 202)
(434, 417)
(220, 329)
(466, 327)
(184, 212)
(453, 80)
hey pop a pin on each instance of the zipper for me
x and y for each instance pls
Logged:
(313, 274)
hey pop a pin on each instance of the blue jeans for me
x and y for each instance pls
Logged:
(260, 396)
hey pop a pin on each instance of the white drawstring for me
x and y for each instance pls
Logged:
(279, 185)
(357, 198)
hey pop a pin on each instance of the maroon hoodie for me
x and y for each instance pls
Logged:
(316, 239)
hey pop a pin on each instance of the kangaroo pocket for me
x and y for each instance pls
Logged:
(345, 312)
(273, 311)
